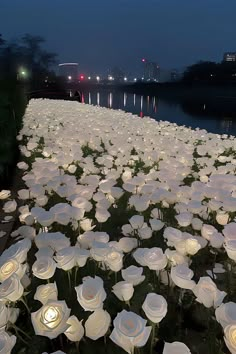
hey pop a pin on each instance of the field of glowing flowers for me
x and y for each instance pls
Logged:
(126, 238)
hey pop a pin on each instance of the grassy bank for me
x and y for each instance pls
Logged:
(12, 106)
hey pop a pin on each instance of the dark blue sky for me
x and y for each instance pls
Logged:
(99, 34)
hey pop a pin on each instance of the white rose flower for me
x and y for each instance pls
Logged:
(7, 342)
(17, 251)
(11, 289)
(207, 293)
(133, 275)
(10, 206)
(123, 290)
(86, 224)
(184, 219)
(145, 232)
(230, 337)
(44, 268)
(156, 224)
(216, 240)
(230, 231)
(127, 230)
(114, 260)
(55, 240)
(226, 314)
(136, 221)
(222, 218)
(192, 246)
(76, 331)
(197, 224)
(207, 231)
(9, 267)
(51, 319)
(46, 292)
(172, 235)
(153, 258)
(175, 257)
(130, 331)
(13, 314)
(175, 348)
(97, 324)
(102, 214)
(4, 194)
(230, 247)
(99, 251)
(155, 307)
(127, 244)
(81, 257)
(182, 275)
(91, 293)
(66, 258)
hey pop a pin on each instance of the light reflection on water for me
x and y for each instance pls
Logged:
(155, 107)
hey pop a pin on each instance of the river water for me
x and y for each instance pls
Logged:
(200, 115)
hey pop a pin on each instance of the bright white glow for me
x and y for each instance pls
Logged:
(135, 79)
(125, 78)
(110, 78)
(68, 64)
(98, 78)
(89, 77)
(69, 77)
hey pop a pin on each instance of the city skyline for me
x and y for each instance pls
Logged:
(107, 34)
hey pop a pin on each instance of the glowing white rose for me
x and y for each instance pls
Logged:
(192, 246)
(130, 331)
(44, 268)
(155, 307)
(99, 251)
(207, 231)
(229, 231)
(91, 293)
(184, 219)
(7, 342)
(123, 290)
(11, 289)
(133, 275)
(55, 240)
(4, 194)
(226, 314)
(145, 232)
(11, 266)
(207, 293)
(51, 319)
(75, 331)
(230, 337)
(222, 218)
(181, 276)
(86, 224)
(81, 257)
(176, 348)
(175, 257)
(153, 258)
(46, 292)
(114, 260)
(97, 324)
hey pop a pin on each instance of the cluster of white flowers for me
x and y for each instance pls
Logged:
(116, 209)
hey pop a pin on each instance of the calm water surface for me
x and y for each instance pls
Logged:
(154, 107)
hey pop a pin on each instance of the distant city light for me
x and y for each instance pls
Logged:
(110, 77)
(135, 79)
(81, 77)
(89, 77)
(125, 78)
(98, 78)
(143, 60)
(69, 77)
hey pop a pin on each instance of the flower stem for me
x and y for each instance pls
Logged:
(17, 329)
(152, 337)
(26, 306)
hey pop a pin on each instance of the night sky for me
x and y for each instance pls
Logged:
(99, 34)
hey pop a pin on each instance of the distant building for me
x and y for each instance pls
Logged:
(230, 57)
(151, 71)
(69, 71)
(174, 76)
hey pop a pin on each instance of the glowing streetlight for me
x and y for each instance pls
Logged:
(135, 79)
(98, 78)
(125, 78)
(69, 77)
(89, 77)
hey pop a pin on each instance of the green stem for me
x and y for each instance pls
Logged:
(17, 329)
(26, 306)
(152, 337)
(76, 271)
(69, 280)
